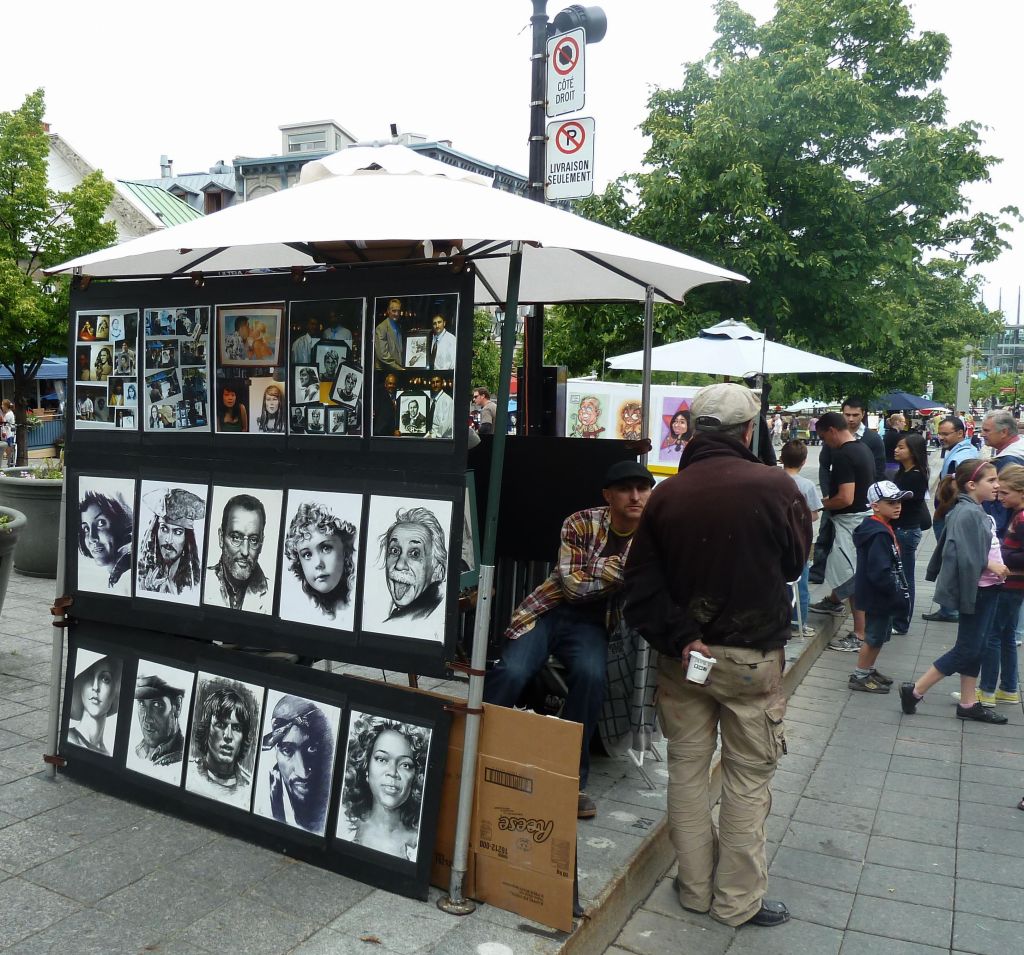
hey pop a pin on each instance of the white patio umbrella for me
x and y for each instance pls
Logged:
(732, 348)
(809, 404)
(375, 202)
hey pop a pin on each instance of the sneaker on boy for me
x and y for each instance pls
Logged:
(880, 587)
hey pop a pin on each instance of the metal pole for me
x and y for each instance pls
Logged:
(645, 388)
(455, 902)
(532, 412)
(57, 644)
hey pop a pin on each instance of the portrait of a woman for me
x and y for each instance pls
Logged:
(232, 413)
(105, 543)
(272, 416)
(678, 432)
(94, 697)
(385, 771)
(320, 550)
(103, 366)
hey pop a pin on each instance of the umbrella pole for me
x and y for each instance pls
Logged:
(455, 903)
(645, 388)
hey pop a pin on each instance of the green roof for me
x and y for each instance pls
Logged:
(169, 209)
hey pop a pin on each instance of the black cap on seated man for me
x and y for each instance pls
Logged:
(572, 614)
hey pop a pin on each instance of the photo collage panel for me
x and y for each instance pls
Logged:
(105, 369)
(176, 369)
(251, 385)
(414, 352)
(326, 367)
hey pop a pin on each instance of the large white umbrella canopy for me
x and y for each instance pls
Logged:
(732, 348)
(374, 202)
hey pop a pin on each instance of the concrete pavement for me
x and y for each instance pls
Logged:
(888, 833)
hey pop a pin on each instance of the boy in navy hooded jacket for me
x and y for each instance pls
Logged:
(880, 586)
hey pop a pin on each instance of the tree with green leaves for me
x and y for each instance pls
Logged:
(486, 352)
(39, 227)
(812, 154)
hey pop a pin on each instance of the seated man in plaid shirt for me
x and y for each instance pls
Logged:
(571, 614)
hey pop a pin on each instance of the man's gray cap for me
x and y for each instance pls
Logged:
(723, 405)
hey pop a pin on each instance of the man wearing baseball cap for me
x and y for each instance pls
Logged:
(880, 589)
(572, 613)
(708, 572)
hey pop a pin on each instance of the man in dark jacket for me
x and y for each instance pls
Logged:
(708, 572)
(880, 589)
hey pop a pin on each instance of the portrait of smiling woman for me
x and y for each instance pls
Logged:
(319, 549)
(385, 771)
(94, 698)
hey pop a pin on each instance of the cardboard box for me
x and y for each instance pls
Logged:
(523, 833)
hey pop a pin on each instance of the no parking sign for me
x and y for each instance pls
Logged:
(570, 159)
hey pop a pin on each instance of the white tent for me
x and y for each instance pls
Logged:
(807, 405)
(732, 348)
(388, 202)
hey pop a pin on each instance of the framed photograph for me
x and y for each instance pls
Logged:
(298, 420)
(348, 387)
(315, 419)
(412, 418)
(319, 558)
(106, 508)
(337, 420)
(231, 402)
(329, 357)
(250, 335)
(172, 525)
(405, 588)
(95, 694)
(242, 558)
(125, 418)
(156, 740)
(416, 351)
(224, 740)
(269, 414)
(118, 393)
(412, 334)
(306, 382)
(469, 561)
(384, 781)
(296, 761)
(105, 347)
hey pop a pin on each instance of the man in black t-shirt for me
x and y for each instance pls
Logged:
(853, 471)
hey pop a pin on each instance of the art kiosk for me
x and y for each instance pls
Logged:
(264, 454)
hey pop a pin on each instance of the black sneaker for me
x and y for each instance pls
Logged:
(769, 915)
(867, 684)
(881, 677)
(833, 607)
(981, 714)
(940, 617)
(907, 699)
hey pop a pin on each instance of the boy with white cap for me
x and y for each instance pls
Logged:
(880, 587)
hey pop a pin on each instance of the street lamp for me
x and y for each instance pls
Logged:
(594, 23)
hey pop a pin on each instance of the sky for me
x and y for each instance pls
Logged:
(129, 81)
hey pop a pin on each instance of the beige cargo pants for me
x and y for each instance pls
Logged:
(722, 872)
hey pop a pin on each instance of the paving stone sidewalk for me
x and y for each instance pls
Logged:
(82, 872)
(888, 833)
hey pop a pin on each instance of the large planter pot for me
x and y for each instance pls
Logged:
(39, 501)
(10, 533)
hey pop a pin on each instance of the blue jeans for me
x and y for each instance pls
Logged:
(908, 538)
(581, 645)
(803, 591)
(937, 525)
(1000, 657)
(971, 636)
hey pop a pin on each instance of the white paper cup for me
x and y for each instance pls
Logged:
(699, 667)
